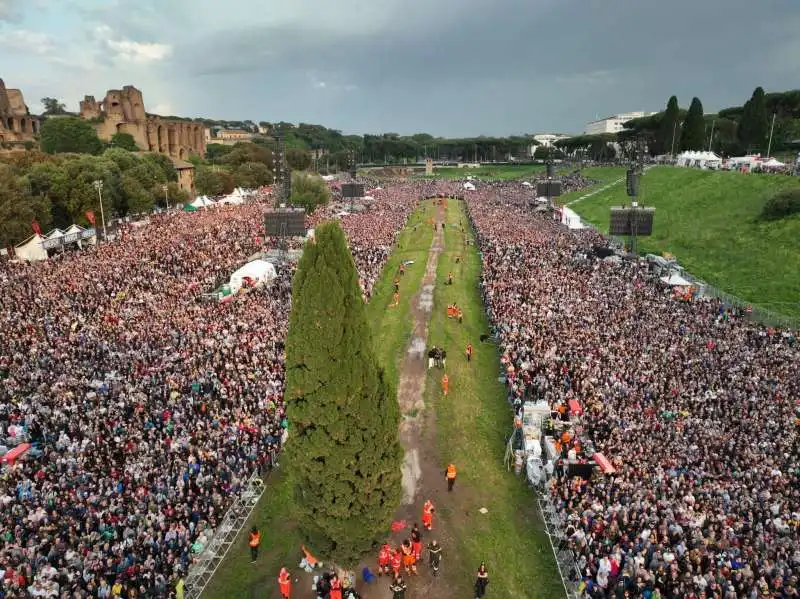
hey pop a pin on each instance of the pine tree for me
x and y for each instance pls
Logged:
(694, 128)
(344, 452)
(754, 124)
(669, 130)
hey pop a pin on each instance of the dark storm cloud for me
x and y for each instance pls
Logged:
(494, 67)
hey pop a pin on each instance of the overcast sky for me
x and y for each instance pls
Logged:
(446, 67)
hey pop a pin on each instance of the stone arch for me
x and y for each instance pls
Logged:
(14, 125)
(161, 138)
(172, 140)
(6, 122)
(23, 125)
(182, 154)
(198, 139)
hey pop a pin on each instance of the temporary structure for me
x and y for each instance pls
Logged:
(202, 202)
(255, 273)
(31, 249)
(699, 159)
(469, 186)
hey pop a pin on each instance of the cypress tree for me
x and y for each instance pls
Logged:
(668, 127)
(694, 128)
(344, 453)
(754, 124)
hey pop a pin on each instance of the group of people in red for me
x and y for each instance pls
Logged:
(392, 560)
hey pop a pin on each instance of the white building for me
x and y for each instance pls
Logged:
(613, 124)
(548, 139)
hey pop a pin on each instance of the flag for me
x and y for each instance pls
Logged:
(90, 216)
(36, 228)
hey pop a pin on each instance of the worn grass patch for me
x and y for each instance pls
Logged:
(472, 426)
(275, 513)
(710, 222)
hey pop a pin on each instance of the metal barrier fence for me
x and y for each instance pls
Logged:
(202, 571)
(755, 313)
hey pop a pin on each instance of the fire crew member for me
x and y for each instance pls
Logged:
(435, 551)
(255, 541)
(445, 385)
(285, 583)
(416, 542)
(450, 476)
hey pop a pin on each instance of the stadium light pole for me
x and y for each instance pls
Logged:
(98, 185)
(771, 130)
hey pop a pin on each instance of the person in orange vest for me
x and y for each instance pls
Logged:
(336, 587)
(254, 542)
(427, 514)
(384, 559)
(285, 584)
(397, 562)
(450, 477)
(408, 557)
(469, 352)
(395, 300)
(445, 385)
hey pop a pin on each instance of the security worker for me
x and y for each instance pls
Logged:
(450, 476)
(255, 541)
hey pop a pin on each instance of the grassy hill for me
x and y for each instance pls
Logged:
(710, 222)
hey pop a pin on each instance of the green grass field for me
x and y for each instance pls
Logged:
(274, 515)
(710, 222)
(472, 426)
(485, 172)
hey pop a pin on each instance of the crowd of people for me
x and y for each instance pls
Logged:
(695, 406)
(146, 408)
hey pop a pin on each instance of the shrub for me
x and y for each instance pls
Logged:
(784, 203)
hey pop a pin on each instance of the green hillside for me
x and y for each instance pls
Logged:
(710, 222)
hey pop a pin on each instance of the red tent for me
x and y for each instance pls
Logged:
(606, 466)
(18, 451)
(575, 407)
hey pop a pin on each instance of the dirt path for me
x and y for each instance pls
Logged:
(423, 477)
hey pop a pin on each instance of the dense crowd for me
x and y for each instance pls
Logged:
(693, 404)
(146, 407)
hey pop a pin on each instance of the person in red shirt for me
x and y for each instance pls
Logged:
(336, 588)
(397, 562)
(384, 559)
(285, 584)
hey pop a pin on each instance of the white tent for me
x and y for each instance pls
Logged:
(526, 184)
(259, 272)
(675, 280)
(469, 186)
(54, 234)
(699, 159)
(231, 199)
(772, 164)
(202, 202)
(31, 249)
(571, 219)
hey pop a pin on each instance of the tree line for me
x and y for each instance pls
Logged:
(732, 131)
